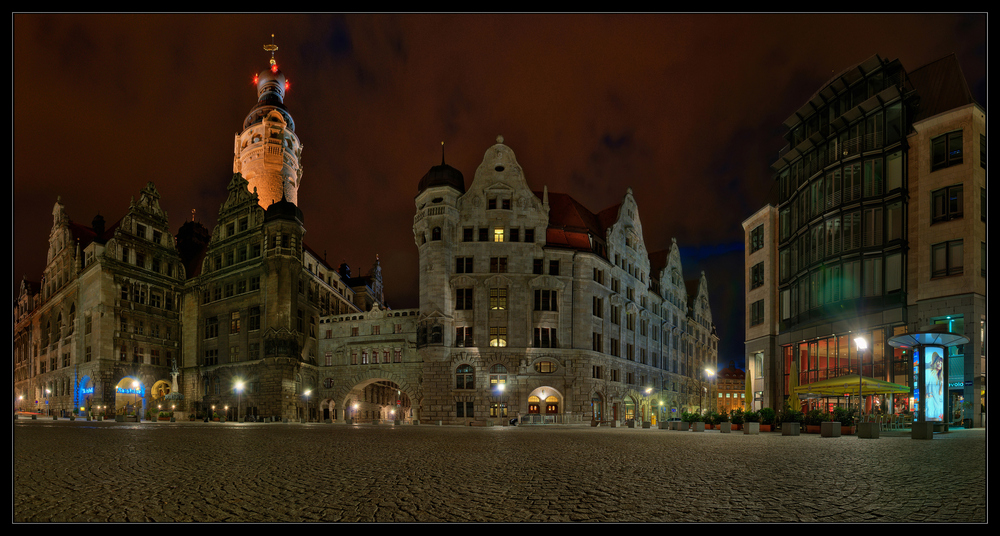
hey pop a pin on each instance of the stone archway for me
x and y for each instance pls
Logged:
(377, 394)
(375, 400)
(328, 410)
(130, 396)
(546, 404)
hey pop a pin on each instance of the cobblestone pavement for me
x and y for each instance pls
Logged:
(181, 472)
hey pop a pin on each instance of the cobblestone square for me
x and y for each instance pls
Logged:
(210, 472)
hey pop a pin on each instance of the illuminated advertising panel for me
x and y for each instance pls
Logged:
(934, 383)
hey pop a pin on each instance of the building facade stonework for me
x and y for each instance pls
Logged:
(531, 307)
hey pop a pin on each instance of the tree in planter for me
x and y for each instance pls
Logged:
(751, 416)
(814, 418)
(736, 416)
(767, 416)
(842, 415)
(791, 414)
(712, 417)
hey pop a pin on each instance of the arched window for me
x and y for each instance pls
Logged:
(436, 233)
(465, 377)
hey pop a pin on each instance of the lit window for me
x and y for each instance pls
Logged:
(498, 235)
(498, 336)
(498, 298)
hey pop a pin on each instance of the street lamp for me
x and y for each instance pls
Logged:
(500, 389)
(862, 346)
(708, 372)
(307, 393)
(239, 400)
(135, 398)
(648, 408)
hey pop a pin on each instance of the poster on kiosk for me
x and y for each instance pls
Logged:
(932, 391)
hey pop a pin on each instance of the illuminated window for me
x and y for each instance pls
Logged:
(498, 375)
(498, 299)
(498, 235)
(498, 336)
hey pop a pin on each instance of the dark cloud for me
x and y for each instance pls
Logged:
(684, 109)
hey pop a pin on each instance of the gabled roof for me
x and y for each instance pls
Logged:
(572, 225)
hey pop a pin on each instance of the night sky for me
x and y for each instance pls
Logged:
(684, 109)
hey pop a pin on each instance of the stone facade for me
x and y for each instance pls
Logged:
(119, 306)
(563, 308)
(531, 306)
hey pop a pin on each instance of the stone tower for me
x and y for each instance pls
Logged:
(268, 153)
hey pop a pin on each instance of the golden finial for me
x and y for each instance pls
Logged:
(271, 48)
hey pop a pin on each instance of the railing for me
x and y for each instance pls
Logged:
(557, 418)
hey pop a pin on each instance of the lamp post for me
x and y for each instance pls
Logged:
(708, 373)
(239, 400)
(135, 399)
(862, 346)
(307, 393)
(649, 407)
(500, 389)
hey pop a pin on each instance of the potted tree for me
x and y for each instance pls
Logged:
(751, 423)
(846, 419)
(791, 421)
(813, 420)
(767, 417)
(736, 417)
(712, 419)
(697, 422)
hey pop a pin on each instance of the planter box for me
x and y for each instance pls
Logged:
(868, 430)
(790, 428)
(848, 430)
(812, 428)
(664, 425)
(645, 424)
(767, 428)
(830, 429)
(751, 428)
(725, 427)
(697, 427)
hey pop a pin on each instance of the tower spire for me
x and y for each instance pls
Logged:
(267, 152)
(271, 48)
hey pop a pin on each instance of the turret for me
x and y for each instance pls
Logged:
(267, 152)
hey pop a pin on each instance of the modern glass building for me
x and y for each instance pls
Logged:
(871, 238)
